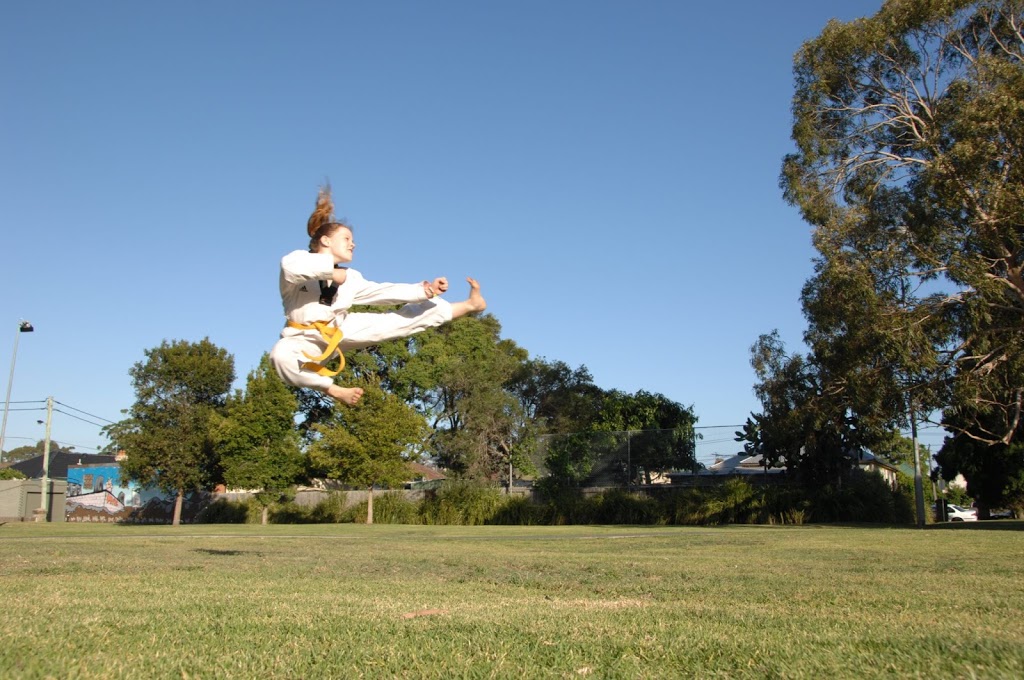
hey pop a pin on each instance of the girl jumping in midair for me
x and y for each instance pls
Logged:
(317, 293)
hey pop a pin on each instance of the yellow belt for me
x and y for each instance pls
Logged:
(332, 336)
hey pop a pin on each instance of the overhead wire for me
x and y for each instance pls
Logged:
(91, 415)
(72, 415)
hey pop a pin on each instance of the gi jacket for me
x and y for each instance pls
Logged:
(301, 274)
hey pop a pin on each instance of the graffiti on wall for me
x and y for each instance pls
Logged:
(96, 494)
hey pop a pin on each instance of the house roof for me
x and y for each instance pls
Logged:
(59, 462)
(427, 472)
(868, 459)
(739, 464)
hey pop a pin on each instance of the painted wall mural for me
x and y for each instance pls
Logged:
(96, 494)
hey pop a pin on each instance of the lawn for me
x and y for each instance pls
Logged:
(243, 601)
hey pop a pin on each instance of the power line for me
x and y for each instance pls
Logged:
(71, 415)
(91, 415)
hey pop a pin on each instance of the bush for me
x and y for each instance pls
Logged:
(863, 497)
(621, 507)
(10, 473)
(782, 505)
(520, 511)
(568, 507)
(330, 510)
(389, 508)
(734, 502)
(225, 511)
(462, 502)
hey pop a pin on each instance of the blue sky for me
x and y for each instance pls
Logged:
(608, 170)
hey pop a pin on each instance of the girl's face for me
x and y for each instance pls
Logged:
(339, 244)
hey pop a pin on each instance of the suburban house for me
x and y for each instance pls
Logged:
(59, 463)
(751, 468)
(424, 476)
(869, 462)
(740, 465)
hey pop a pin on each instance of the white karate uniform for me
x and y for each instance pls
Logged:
(301, 272)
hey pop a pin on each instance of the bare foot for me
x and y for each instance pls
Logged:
(476, 300)
(474, 303)
(346, 395)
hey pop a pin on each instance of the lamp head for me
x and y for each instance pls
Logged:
(25, 327)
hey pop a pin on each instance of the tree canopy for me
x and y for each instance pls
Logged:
(909, 128)
(369, 444)
(166, 434)
(256, 437)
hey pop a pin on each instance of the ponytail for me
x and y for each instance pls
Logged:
(322, 222)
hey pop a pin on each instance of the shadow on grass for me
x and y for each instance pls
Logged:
(213, 551)
(981, 525)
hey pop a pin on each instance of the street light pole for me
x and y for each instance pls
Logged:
(23, 327)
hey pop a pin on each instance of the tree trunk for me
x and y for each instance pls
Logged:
(266, 514)
(369, 507)
(177, 507)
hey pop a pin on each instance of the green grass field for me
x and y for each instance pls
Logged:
(242, 601)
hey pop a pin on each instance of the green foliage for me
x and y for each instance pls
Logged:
(256, 437)
(622, 507)
(462, 370)
(909, 135)
(330, 510)
(224, 511)
(810, 423)
(957, 495)
(994, 472)
(389, 507)
(520, 510)
(733, 502)
(20, 453)
(10, 473)
(570, 459)
(462, 502)
(863, 497)
(167, 434)
(368, 444)
(660, 432)
(556, 397)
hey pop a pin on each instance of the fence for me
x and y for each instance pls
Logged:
(620, 459)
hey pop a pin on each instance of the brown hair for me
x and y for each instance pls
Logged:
(322, 222)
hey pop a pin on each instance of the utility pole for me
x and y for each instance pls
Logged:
(918, 487)
(46, 461)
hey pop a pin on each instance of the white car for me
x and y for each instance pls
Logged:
(958, 513)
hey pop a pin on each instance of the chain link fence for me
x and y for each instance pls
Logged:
(620, 459)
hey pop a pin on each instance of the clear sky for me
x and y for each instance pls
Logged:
(608, 170)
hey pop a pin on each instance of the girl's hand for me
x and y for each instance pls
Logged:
(439, 286)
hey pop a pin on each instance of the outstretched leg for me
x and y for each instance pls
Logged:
(474, 303)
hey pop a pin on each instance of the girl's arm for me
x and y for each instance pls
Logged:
(373, 293)
(299, 266)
